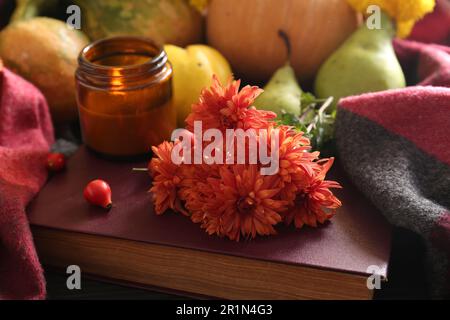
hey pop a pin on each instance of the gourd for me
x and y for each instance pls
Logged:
(44, 51)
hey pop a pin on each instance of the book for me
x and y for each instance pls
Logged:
(131, 244)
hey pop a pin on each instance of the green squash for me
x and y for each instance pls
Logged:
(163, 21)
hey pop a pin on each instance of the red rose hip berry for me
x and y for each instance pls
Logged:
(98, 192)
(55, 162)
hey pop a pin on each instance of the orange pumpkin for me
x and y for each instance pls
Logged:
(247, 33)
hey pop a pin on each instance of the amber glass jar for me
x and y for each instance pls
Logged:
(124, 95)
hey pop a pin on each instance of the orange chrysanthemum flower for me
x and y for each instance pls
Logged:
(165, 178)
(297, 166)
(315, 203)
(244, 204)
(225, 107)
(195, 190)
(236, 200)
(294, 154)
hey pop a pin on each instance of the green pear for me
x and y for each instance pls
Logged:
(365, 62)
(282, 93)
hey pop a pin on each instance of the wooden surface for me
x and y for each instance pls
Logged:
(210, 275)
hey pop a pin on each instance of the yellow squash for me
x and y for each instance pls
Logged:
(193, 68)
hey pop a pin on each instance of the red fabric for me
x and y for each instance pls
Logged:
(419, 114)
(437, 22)
(433, 61)
(26, 134)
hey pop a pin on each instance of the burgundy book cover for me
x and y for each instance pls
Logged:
(356, 238)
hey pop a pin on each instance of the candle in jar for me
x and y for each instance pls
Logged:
(124, 94)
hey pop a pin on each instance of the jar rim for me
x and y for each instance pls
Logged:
(103, 75)
(157, 60)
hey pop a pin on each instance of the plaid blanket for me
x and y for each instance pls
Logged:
(395, 146)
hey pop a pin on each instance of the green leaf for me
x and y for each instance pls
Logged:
(316, 120)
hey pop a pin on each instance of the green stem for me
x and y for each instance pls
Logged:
(322, 109)
(283, 35)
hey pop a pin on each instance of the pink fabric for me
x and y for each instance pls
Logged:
(435, 27)
(26, 134)
(433, 61)
(419, 114)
